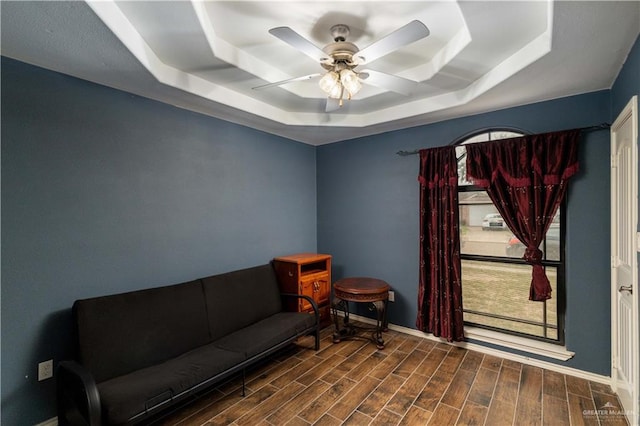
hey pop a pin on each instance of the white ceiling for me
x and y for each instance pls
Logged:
(207, 56)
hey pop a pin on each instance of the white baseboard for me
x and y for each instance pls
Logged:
(496, 352)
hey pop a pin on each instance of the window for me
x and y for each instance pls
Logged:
(495, 278)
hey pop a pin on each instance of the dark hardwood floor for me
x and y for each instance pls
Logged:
(412, 381)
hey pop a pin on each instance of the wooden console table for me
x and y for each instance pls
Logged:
(372, 291)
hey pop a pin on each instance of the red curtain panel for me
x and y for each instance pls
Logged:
(526, 178)
(440, 291)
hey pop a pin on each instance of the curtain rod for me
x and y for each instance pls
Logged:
(602, 126)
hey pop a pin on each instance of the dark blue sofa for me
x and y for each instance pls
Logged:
(140, 352)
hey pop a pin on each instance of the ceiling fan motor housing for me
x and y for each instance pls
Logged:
(340, 52)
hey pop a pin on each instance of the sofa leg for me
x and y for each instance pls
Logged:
(317, 339)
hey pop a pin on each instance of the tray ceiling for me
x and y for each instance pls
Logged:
(208, 56)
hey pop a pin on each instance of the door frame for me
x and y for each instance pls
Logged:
(630, 112)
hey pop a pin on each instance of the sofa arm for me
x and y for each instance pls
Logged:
(309, 299)
(78, 397)
(316, 313)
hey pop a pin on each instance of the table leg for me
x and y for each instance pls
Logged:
(385, 321)
(339, 304)
(380, 323)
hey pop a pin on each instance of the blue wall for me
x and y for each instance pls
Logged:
(627, 83)
(368, 213)
(103, 192)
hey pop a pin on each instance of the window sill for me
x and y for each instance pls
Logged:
(519, 343)
(522, 344)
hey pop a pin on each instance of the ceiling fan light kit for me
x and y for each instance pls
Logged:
(329, 81)
(351, 81)
(340, 79)
(341, 57)
(334, 83)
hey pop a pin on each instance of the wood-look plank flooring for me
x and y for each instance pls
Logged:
(412, 381)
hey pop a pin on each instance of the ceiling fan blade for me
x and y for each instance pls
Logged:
(413, 31)
(298, 42)
(291, 80)
(394, 83)
(332, 105)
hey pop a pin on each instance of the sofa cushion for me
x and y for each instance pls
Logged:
(265, 334)
(240, 298)
(125, 396)
(125, 332)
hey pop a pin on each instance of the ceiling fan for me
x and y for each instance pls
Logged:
(340, 59)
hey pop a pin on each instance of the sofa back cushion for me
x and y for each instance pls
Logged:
(122, 333)
(237, 299)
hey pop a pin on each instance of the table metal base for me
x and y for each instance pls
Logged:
(348, 330)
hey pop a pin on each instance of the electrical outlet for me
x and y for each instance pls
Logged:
(392, 296)
(45, 370)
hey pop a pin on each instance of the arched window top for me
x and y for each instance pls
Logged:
(480, 136)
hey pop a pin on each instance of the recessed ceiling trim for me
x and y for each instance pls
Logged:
(117, 22)
(451, 54)
(591, 41)
(524, 57)
(229, 53)
(445, 55)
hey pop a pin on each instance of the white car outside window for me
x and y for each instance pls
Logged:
(493, 221)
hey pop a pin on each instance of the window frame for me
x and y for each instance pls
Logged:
(559, 265)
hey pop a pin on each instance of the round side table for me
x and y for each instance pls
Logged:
(373, 292)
